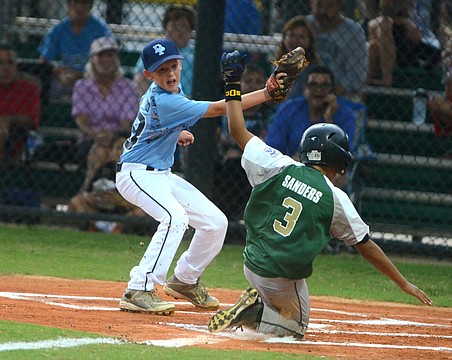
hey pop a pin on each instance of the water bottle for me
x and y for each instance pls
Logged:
(420, 102)
(28, 153)
(31, 143)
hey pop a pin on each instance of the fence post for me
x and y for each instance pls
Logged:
(201, 155)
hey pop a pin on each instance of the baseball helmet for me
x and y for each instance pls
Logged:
(326, 145)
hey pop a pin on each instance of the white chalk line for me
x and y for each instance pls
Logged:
(248, 335)
(211, 339)
(57, 343)
(45, 298)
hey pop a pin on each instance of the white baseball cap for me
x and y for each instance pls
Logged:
(102, 44)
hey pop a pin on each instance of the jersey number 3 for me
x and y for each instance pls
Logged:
(290, 218)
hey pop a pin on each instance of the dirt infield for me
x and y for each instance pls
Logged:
(339, 328)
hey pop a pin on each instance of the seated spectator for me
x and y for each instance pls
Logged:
(297, 32)
(285, 9)
(395, 40)
(422, 15)
(101, 195)
(68, 42)
(445, 25)
(179, 23)
(441, 109)
(342, 46)
(318, 104)
(242, 17)
(103, 103)
(20, 106)
(231, 184)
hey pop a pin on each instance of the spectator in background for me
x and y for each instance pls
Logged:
(396, 40)
(445, 25)
(242, 17)
(179, 23)
(101, 195)
(441, 109)
(232, 187)
(342, 46)
(318, 104)
(20, 106)
(286, 9)
(103, 103)
(69, 42)
(297, 32)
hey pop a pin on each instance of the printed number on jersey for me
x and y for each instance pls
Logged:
(290, 218)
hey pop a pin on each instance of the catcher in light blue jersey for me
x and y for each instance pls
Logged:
(144, 178)
(293, 211)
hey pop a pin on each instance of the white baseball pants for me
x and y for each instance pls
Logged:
(175, 204)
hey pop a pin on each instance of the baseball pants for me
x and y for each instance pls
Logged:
(175, 204)
(286, 304)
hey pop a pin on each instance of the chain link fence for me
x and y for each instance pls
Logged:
(401, 178)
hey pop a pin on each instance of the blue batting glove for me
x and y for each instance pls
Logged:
(232, 66)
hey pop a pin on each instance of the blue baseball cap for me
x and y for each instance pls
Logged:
(157, 52)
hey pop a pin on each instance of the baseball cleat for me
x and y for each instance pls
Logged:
(145, 301)
(247, 311)
(195, 293)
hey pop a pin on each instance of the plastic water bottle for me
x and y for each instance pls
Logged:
(31, 143)
(420, 102)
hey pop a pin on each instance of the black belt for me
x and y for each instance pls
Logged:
(148, 168)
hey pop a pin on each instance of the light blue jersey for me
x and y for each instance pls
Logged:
(161, 118)
(61, 43)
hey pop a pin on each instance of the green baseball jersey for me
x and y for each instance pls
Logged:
(292, 213)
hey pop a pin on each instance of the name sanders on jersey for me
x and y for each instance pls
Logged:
(302, 189)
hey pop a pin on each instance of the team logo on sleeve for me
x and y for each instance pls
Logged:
(159, 49)
(272, 152)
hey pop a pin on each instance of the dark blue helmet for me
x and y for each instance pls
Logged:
(326, 145)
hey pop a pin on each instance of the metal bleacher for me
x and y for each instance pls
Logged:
(408, 189)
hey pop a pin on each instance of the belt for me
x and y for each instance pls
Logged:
(132, 166)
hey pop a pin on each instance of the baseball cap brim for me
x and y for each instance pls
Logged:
(161, 61)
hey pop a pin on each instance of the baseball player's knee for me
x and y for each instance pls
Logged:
(219, 223)
(178, 220)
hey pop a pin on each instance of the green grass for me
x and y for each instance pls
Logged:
(17, 332)
(80, 255)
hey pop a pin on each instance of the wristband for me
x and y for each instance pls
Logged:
(232, 92)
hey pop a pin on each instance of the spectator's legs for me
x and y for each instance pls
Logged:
(83, 203)
(4, 134)
(97, 157)
(382, 51)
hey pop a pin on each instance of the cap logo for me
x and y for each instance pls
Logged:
(314, 155)
(159, 49)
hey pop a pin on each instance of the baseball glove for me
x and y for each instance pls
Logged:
(291, 63)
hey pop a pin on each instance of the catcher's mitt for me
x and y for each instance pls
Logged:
(291, 63)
